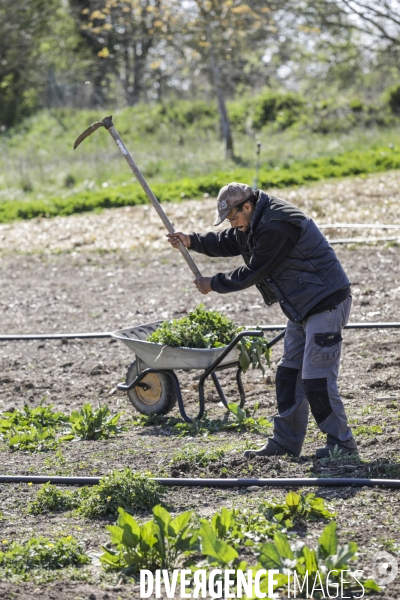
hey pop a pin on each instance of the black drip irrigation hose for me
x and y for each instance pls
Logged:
(370, 240)
(107, 334)
(224, 483)
(56, 336)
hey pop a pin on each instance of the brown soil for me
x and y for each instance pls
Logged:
(71, 291)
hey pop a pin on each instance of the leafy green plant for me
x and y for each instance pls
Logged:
(157, 544)
(32, 439)
(218, 551)
(328, 557)
(243, 527)
(50, 498)
(203, 328)
(134, 492)
(41, 553)
(131, 491)
(245, 419)
(297, 507)
(41, 416)
(41, 429)
(90, 424)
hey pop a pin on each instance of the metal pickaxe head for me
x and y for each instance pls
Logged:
(106, 122)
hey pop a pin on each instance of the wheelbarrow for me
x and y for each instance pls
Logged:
(151, 382)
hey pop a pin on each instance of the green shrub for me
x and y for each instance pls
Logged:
(284, 108)
(132, 491)
(393, 97)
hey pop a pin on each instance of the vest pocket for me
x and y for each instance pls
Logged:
(326, 349)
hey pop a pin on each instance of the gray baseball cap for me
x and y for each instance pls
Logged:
(229, 196)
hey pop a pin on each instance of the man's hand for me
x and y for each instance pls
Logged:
(203, 284)
(176, 237)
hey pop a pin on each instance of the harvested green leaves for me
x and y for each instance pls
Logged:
(203, 328)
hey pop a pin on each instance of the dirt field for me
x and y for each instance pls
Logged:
(78, 288)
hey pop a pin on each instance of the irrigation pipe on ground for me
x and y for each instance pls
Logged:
(107, 334)
(203, 482)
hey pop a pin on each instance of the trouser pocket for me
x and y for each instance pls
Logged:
(326, 349)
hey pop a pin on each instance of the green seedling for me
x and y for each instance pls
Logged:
(41, 416)
(242, 528)
(245, 419)
(205, 426)
(368, 430)
(89, 424)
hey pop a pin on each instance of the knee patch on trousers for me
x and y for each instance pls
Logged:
(285, 383)
(317, 395)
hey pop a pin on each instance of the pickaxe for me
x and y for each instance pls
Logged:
(108, 124)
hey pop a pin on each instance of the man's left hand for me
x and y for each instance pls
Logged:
(203, 284)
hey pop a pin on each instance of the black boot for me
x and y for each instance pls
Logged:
(271, 448)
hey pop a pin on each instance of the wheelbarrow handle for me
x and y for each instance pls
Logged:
(232, 344)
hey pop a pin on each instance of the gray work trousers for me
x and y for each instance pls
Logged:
(307, 377)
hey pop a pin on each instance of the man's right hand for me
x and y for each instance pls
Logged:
(178, 236)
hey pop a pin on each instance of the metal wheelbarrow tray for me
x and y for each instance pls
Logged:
(151, 383)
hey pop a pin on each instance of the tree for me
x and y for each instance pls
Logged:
(121, 33)
(217, 38)
(36, 40)
(22, 26)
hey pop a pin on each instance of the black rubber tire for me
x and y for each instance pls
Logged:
(158, 399)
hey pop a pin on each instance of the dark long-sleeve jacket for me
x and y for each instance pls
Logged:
(286, 257)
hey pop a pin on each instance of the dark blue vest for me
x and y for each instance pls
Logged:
(311, 271)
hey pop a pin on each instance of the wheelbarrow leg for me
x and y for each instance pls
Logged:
(239, 384)
(240, 387)
(219, 389)
(182, 410)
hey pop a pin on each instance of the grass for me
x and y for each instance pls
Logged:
(113, 196)
(181, 156)
(368, 430)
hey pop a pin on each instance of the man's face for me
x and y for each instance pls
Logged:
(240, 218)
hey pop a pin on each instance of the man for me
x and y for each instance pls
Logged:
(289, 260)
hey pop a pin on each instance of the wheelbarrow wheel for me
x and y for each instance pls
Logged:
(156, 393)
